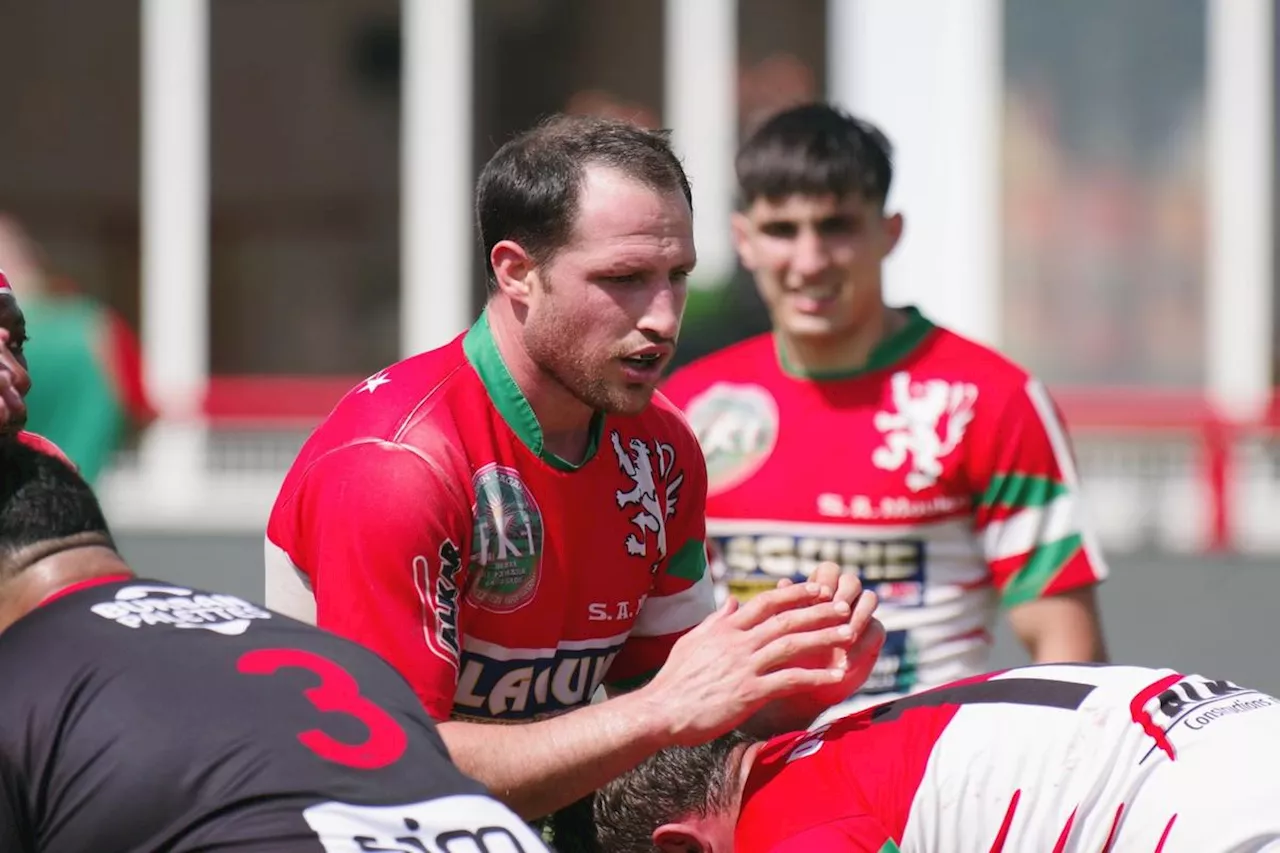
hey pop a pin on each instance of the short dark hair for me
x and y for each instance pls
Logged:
(528, 191)
(813, 150)
(41, 500)
(672, 784)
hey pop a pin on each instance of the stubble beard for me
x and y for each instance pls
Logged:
(556, 353)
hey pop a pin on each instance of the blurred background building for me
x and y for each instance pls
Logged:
(275, 195)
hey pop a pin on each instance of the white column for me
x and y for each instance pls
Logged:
(436, 231)
(929, 74)
(175, 245)
(701, 104)
(1240, 222)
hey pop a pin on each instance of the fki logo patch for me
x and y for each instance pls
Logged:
(506, 540)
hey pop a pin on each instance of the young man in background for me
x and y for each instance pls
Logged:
(867, 435)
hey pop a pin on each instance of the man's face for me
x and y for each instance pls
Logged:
(13, 361)
(817, 260)
(604, 313)
(13, 322)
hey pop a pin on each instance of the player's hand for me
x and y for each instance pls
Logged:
(857, 661)
(846, 586)
(744, 656)
(15, 382)
(859, 657)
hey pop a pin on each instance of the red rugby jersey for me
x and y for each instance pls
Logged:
(425, 519)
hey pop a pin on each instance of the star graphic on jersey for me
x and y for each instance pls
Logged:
(374, 382)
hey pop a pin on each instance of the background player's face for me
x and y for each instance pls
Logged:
(13, 322)
(817, 260)
(12, 359)
(604, 313)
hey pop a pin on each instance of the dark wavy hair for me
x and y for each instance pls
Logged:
(815, 150)
(672, 784)
(529, 190)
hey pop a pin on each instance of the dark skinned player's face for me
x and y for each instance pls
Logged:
(14, 362)
(13, 322)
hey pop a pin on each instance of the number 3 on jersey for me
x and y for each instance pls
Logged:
(337, 693)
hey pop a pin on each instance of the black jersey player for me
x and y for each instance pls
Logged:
(136, 715)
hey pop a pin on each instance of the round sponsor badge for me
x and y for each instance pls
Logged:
(737, 426)
(506, 541)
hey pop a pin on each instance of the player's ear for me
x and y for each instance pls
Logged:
(741, 226)
(893, 225)
(513, 269)
(680, 838)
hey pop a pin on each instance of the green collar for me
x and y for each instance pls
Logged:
(886, 353)
(510, 401)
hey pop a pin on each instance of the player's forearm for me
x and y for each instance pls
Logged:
(1065, 641)
(1063, 628)
(537, 768)
(1068, 647)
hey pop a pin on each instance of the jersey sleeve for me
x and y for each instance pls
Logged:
(682, 593)
(380, 532)
(861, 834)
(1028, 512)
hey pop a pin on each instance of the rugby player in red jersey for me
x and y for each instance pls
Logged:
(516, 518)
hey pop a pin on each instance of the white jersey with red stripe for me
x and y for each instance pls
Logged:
(941, 472)
(1062, 757)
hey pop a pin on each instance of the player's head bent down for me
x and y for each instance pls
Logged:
(52, 530)
(679, 799)
(811, 225)
(587, 225)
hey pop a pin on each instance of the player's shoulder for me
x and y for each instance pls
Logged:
(367, 475)
(387, 403)
(411, 412)
(118, 615)
(751, 360)
(979, 362)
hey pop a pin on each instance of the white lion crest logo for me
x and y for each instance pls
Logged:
(929, 423)
(654, 509)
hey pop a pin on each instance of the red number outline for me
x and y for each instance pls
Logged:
(337, 693)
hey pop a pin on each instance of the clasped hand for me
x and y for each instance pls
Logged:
(812, 643)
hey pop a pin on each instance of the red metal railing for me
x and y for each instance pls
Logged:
(299, 402)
